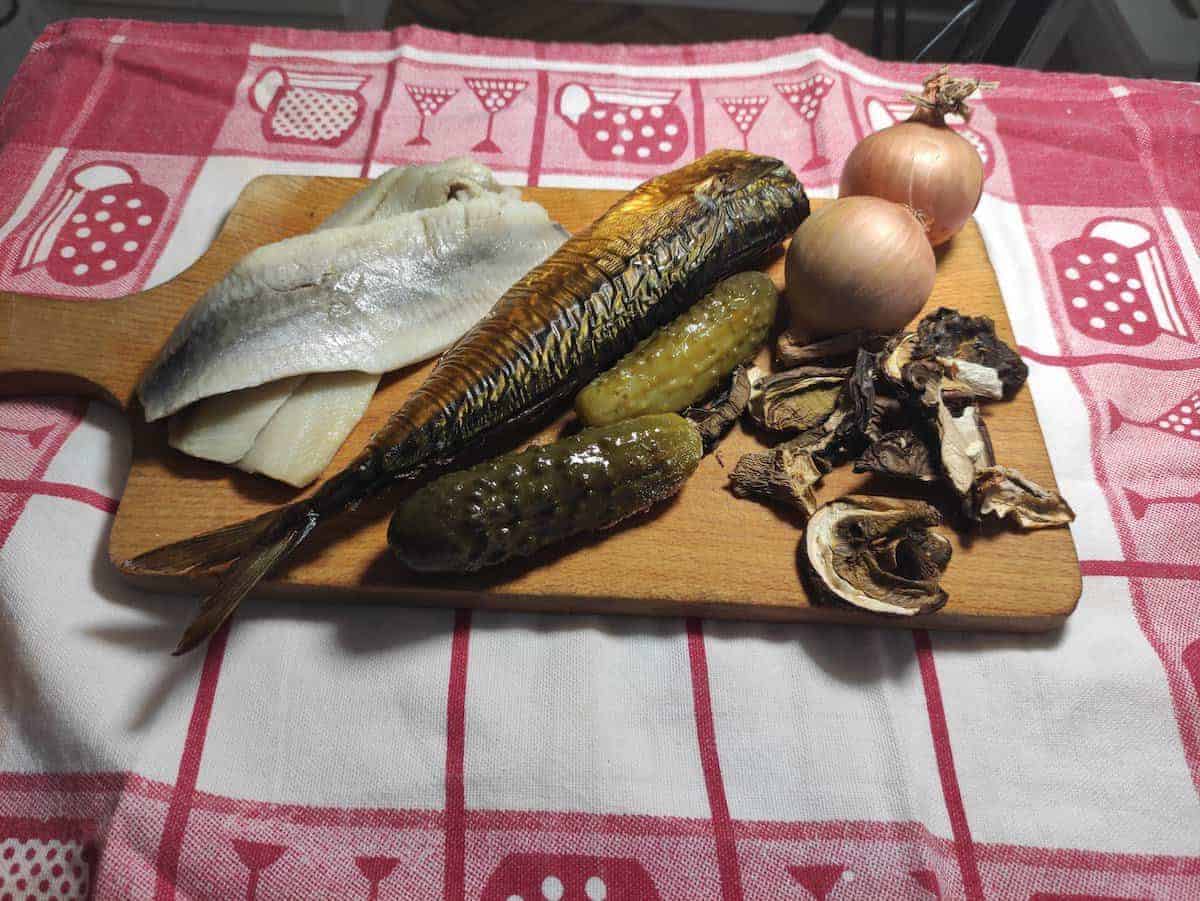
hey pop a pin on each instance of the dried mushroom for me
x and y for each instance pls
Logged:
(964, 444)
(785, 475)
(876, 554)
(861, 392)
(1004, 492)
(714, 419)
(900, 453)
(797, 399)
(946, 333)
(965, 379)
(840, 348)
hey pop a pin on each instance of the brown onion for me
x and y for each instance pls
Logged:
(857, 263)
(923, 163)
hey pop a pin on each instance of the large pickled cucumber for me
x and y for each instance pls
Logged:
(687, 358)
(521, 502)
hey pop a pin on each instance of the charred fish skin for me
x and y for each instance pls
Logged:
(651, 255)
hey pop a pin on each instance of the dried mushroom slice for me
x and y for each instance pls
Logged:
(785, 475)
(861, 392)
(897, 354)
(901, 453)
(714, 419)
(946, 333)
(1004, 492)
(876, 554)
(797, 399)
(840, 348)
(969, 380)
(964, 446)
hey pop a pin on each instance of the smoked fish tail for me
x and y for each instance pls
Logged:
(653, 254)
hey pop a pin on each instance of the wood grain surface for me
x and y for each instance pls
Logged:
(703, 553)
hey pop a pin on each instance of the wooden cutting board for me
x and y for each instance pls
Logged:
(704, 553)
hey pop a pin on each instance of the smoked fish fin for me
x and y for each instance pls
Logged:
(206, 550)
(246, 572)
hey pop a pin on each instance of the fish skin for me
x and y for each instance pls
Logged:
(229, 427)
(656, 251)
(348, 298)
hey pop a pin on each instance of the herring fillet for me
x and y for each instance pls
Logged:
(370, 298)
(302, 437)
(223, 428)
(226, 427)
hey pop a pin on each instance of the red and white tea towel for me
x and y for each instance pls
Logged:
(365, 752)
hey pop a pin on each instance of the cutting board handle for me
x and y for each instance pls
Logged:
(80, 347)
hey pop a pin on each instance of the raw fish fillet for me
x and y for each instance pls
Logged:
(303, 436)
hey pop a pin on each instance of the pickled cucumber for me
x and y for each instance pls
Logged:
(687, 358)
(521, 502)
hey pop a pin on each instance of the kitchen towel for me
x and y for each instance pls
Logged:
(325, 750)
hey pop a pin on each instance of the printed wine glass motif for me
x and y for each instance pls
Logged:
(375, 870)
(34, 436)
(634, 125)
(1139, 503)
(569, 877)
(429, 101)
(1181, 420)
(743, 112)
(494, 95)
(819, 880)
(805, 97)
(884, 113)
(98, 228)
(256, 857)
(306, 107)
(1114, 285)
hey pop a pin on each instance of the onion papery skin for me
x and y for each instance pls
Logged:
(925, 166)
(857, 263)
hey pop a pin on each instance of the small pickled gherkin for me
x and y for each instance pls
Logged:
(687, 358)
(519, 503)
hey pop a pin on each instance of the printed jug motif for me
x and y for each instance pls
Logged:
(98, 228)
(300, 107)
(624, 124)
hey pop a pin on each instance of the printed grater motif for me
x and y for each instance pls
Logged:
(98, 228)
(1114, 285)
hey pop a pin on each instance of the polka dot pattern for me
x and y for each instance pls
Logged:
(805, 96)
(649, 132)
(495, 94)
(1103, 293)
(743, 111)
(317, 115)
(429, 99)
(39, 867)
(86, 250)
(1182, 419)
